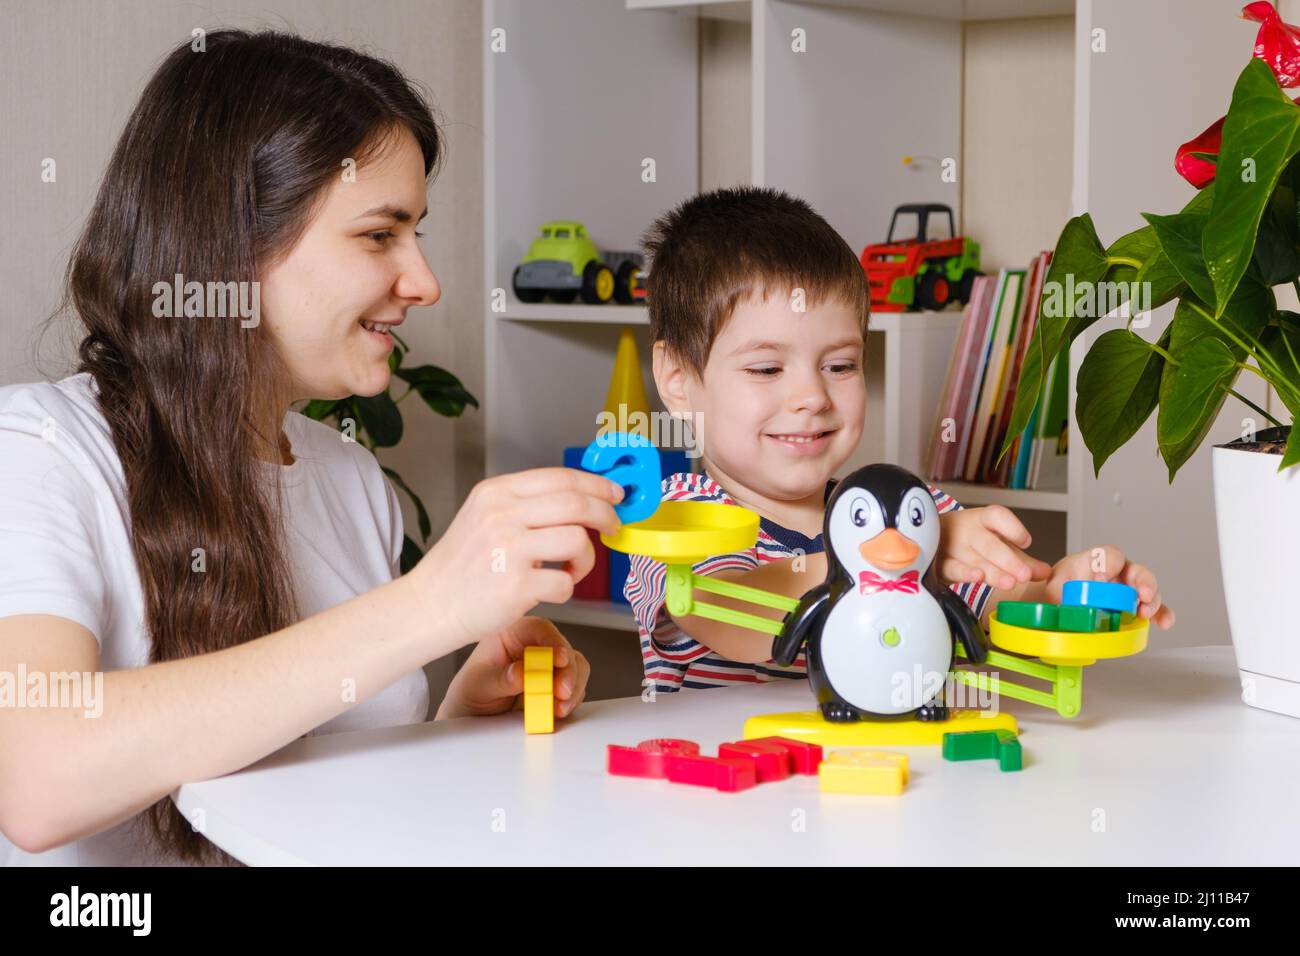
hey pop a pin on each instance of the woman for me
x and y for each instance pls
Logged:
(228, 565)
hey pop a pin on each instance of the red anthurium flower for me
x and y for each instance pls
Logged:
(1278, 45)
(1192, 166)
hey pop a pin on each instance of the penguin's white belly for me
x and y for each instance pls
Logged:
(887, 653)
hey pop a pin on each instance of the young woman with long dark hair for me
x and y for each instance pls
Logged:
(228, 565)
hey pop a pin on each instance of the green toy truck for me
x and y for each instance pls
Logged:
(563, 263)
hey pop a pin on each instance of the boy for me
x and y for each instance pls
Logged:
(758, 312)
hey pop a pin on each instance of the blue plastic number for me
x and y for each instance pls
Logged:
(1106, 595)
(631, 461)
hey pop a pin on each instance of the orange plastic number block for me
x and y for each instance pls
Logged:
(863, 771)
(539, 690)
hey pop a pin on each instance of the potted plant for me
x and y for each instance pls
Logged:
(376, 421)
(1219, 259)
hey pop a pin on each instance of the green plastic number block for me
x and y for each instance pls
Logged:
(1009, 755)
(1000, 745)
(1053, 617)
(1082, 619)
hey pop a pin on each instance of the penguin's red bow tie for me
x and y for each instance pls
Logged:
(871, 583)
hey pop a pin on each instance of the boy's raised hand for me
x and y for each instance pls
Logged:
(1108, 563)
(984, 545)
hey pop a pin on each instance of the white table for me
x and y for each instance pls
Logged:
(1165, 766)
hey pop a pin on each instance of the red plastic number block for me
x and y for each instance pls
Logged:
(647, 758)
(773, 760)
(806, 757)
(738, 766)
(728, 774)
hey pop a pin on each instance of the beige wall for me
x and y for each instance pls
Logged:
(725, 99)
(73, 71)
(1018, 88)
(1018, 94)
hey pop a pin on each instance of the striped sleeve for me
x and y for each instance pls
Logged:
(976, 595)
(667, 651)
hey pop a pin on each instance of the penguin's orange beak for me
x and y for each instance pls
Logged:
(889, 550)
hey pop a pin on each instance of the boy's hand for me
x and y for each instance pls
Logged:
(1107, 563)
(984, 545)
(492, 680)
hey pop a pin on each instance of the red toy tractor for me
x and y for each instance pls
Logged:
(921, 273)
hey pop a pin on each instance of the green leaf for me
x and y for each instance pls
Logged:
(1285, 353)
(1182, 386)
(1282, 343)
(319, 408)
(1261, 133)
(1165, 282)
(1202, 202)
(1079, 259)
(380, 417)
(1277, 248)
(1191, 402)
(1247, 315)
(440, 390)
(1139, 245)
(422, 516)
(1118, 388)
(1180, 240)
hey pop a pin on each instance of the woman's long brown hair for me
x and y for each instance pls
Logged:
(215, 177)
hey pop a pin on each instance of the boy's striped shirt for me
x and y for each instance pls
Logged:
(671, 657)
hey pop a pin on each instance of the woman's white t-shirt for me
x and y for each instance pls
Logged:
(65, 550)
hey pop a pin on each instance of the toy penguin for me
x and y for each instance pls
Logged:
(881, 629)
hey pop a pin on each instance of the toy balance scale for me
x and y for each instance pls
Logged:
(1027, 638)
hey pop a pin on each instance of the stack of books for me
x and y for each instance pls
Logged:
(980, 392)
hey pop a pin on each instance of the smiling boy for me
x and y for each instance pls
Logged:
(758, 313)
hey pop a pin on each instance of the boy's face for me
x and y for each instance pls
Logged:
(781, 400)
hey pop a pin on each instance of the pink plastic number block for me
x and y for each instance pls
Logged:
(728, 774)
(773, 760)
(646, 759)
(806, 756)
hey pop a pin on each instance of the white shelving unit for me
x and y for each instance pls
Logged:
(548, 365)
(588, 89)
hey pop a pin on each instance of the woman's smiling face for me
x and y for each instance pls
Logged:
(353, 274)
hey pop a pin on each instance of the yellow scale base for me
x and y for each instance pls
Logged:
(811, 727)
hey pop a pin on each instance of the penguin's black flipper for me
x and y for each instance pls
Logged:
(799, 625)
(963, 623)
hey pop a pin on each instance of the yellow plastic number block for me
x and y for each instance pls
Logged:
(539, 690)
(863, 771)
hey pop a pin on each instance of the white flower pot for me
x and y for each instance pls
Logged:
(1257, 509)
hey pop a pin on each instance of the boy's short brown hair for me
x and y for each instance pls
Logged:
(717, 249)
